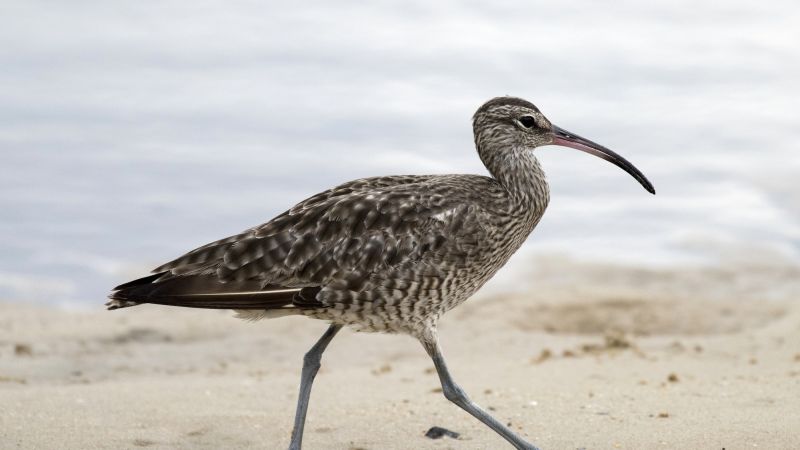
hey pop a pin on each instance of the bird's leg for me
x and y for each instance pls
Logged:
(455, 394)
(311, 365)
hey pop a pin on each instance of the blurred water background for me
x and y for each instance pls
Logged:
(131, 132)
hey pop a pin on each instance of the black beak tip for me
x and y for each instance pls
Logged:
(564, 138)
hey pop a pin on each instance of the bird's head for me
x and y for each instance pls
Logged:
(515, 124)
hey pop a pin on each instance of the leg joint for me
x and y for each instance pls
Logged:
(454, 393)
(312, 360)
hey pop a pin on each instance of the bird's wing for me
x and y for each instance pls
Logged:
(345, 234)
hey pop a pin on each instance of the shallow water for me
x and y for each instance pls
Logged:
(131, 134)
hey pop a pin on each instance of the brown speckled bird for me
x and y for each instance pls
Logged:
(384, 254)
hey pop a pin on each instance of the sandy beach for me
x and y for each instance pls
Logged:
(582, 356)
(133, 132)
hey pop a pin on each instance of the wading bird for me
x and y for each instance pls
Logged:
(383, 254)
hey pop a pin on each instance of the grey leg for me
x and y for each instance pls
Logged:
(311, 364)
(455, 394)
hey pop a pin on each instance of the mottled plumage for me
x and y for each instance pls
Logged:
(386, 253)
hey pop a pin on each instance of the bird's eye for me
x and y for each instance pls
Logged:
(527, 121)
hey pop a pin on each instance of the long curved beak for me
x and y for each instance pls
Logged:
(566, 139)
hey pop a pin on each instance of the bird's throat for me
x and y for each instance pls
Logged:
(520, 173)
(527, 184)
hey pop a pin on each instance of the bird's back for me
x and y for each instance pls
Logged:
(383, 253)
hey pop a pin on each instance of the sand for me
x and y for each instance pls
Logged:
(580, 356)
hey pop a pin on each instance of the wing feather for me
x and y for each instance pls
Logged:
(342, 237)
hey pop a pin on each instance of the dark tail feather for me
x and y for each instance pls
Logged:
(199, 291)
(140, 281)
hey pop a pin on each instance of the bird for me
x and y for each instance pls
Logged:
(385, 254)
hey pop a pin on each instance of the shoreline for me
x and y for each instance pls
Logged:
(585, 361)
